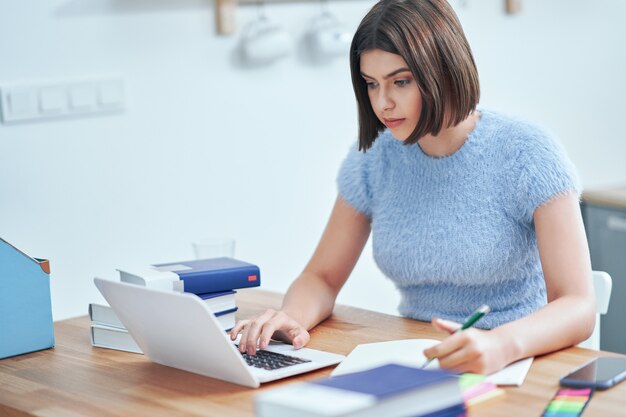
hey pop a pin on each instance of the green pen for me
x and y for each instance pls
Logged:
(476, 315)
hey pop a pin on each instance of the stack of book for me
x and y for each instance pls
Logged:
(107, 330)
(390, 390)
(213, 280)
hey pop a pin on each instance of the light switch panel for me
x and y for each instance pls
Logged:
(111, 93)
(20, 103)
(52, 100)
(83, 97)
(24, 102)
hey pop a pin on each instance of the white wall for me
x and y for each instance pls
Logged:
(208, 148)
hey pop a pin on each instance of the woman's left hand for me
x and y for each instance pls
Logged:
(472, 350)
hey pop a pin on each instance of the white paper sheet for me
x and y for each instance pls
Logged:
(409, 352)
(514, 374)
(369, 355)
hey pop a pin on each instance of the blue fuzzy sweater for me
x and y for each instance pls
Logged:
(456, 232)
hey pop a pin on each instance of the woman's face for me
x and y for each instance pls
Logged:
(393, 92)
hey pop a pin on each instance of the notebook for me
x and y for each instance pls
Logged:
(178, 330)
(409, 352)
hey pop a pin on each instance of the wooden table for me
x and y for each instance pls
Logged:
(75, 379)
(614, 197)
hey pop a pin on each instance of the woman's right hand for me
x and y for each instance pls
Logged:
(271, 324)
(311, 297)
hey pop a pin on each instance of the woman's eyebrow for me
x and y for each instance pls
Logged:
(391, 74)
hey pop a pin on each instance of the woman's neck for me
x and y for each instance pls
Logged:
(449, 140)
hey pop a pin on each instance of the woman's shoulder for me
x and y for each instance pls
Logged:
(537, 162)
(515, 127)
(520, 135)
(359, 171)
(383, 144)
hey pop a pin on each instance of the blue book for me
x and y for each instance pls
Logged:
(390, 390)
(213, 275)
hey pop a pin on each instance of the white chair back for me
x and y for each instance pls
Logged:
(602, 285)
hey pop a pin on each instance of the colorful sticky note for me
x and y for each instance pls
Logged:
(568, 403)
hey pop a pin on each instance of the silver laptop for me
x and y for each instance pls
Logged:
(178, 330)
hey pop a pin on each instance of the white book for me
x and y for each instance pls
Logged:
(104, 315)
(113, 338)
(152, 278)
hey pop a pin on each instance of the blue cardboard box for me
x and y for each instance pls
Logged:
(25, 308)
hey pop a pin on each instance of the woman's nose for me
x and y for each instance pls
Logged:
(385, 102)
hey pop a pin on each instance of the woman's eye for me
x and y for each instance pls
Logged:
(371, 84)
(402, 83)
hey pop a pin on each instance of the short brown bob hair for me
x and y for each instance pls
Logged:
(428, 36)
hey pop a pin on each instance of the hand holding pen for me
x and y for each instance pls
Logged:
(476, 315)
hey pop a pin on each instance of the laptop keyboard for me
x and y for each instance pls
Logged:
(265, 359)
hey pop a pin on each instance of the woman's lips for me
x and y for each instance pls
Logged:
(391, 123)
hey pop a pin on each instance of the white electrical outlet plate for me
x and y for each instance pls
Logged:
(75, 98)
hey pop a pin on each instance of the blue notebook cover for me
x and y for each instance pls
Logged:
(214, 275)
(388, 380)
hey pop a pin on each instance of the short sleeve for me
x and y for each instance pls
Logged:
(353, 181)
(545, 173)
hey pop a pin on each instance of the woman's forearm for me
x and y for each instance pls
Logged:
(563, 322)
(309, 300)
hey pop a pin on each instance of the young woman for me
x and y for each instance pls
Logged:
(465, 206)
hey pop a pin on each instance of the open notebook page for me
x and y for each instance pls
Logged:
(409, 352)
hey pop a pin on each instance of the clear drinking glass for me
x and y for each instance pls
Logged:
(214, 247)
